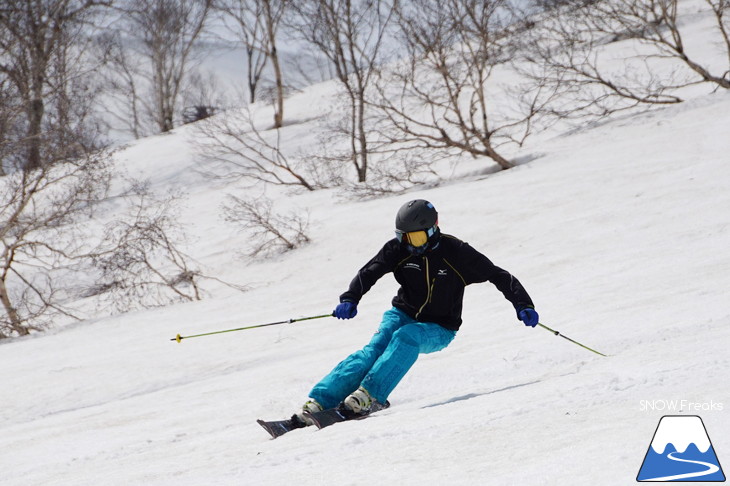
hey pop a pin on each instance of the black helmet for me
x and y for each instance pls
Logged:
(416, 215)
(416, 226)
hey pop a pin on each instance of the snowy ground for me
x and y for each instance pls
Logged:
(619, 232)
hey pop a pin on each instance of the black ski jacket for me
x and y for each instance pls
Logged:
(432, 285)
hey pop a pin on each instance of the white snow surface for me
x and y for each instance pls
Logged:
(620, 232)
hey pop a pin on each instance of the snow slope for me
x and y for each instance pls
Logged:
(620, 233)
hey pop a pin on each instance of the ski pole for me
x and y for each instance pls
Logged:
(179, 338)
(571, 340)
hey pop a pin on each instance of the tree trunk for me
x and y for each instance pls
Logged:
(16, 323)
(362, 138)
(251, 74)
(35, 123)
(279, 109)
(494, 155)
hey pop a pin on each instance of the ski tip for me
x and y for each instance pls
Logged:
(277, 428)
(268, 428)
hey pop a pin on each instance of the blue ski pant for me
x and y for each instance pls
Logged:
(384, 361)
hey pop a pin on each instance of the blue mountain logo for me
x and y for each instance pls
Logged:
(681, 451)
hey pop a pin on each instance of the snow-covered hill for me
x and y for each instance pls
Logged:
(619, 232)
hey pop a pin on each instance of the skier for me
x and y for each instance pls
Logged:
(432, 269)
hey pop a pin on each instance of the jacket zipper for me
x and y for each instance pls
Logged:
(429, 287)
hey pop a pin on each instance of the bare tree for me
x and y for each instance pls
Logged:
(129, 108)
(155, 52)
(139, 258)
(350, 35)
(53, 169)
(11, 130)
(249, 29)
(232, 147)
(659, 22)
(258, 23)
(269, 232)
(43, 60)
(41, 237)
(439, 98)
(397, 172)
(273, 13)
(570, 49)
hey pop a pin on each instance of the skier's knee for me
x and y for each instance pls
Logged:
(408, 335)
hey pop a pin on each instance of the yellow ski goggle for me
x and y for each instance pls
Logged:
(415, 238)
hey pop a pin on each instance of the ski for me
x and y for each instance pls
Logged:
(277, 428)
(325, 418)
(331, 416)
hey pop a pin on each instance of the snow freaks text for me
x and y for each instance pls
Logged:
(679, 406)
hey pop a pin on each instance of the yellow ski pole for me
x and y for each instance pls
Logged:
(179, 338)
(572, 341)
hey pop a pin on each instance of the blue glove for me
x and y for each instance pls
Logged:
(529, 316)
(345, 310)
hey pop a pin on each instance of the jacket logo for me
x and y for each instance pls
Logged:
(412, 265)
(442, 272)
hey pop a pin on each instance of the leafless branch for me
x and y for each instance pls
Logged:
(439, 98)
(570, 50)
(269, 232)
(232, 147)
(139, 259)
